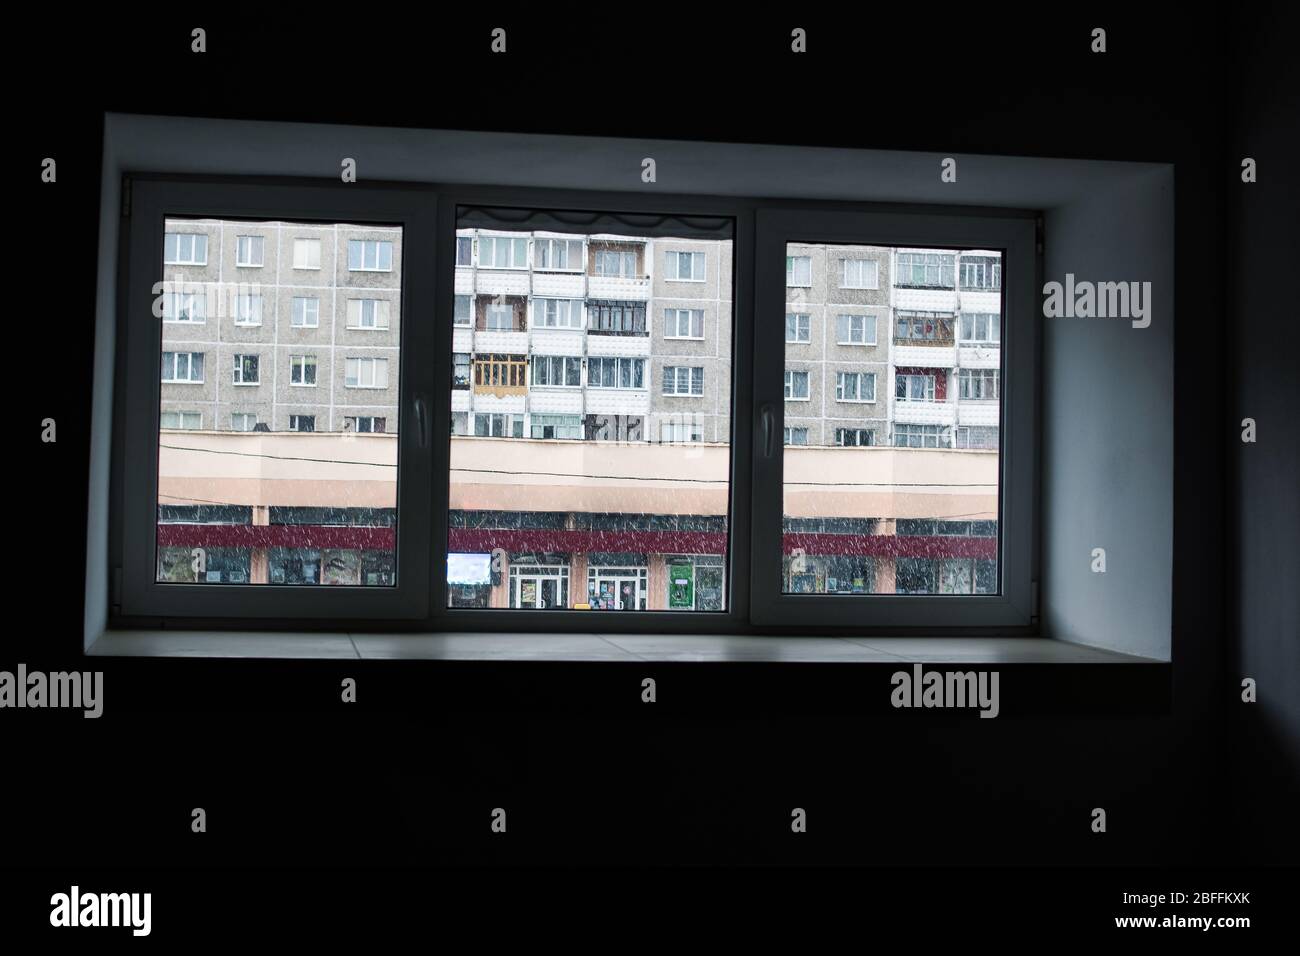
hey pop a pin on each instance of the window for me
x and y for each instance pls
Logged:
(796, 436)
(555, 426)
(798, 271)
(302, 423)
(796, 385)
(243, 421)
(182, 367)
(502, 252)
(185, 249)
(557, 255)
(499, 317)
(306, 312)
(190, 421)
(248, 251)
(855, 386)
(855, 437)
(364, 424)
(460, 370)
(798, 327)
(681, 380)
(368, 313)
(980, 328)
(923, 326)
(498, 425)
(914, 387)
(370, 255)
(981, 273)
(306, 253)
(464, 251)
(302, 371)
(672, 431)
(683, 323)
(616, 318)
(921, 270)
(366, 373)
(977, 384)
(921, 436)
(685, 266)
(184, 307)
(855, 329)
(615, 263)
(248, 309)
(859, 274)
(615, 372)
(246, 367)
(557, 313)
(557, 371)
(501, 374)
(965, 436)
(464, 311)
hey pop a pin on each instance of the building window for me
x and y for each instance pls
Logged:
(555, 426)
(859, 274)
(975, 437)
(798, 271)
(855, 437)
(500, 371)
(464, 312)
(615, 263)
(923, 326)
(796, 435)
(914, 387)
(185, 307)
(182, 367)
(921, 436)
(498, 425)
(499, 317)
(306, 253)
(464, 251)
(248, 309)
(617, 318)
(558, 255)
(855, 386)
(981, 273)
(365, 424)
(185, 249)
(460, 370)
(980, 328)
(302, 423)
(187, 421)
(243, 421)
(798, 327)
(855, 329)
(615, 372)
(557, 313)
(370, 314)
(370, 255)
(977, 384)
(685, 266)
(248, 251)
(683, 323)
(306, 312)
(673, 431)
(683, 380)
(246, 370)
(796, 385)
(557, 371)
(366, 373)
(925, 270)
(302, 370)
(502, 252)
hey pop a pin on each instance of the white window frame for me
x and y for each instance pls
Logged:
(687, 373)
(799, 326)
(791, 376)
(298, 364)
(248, 310)
(379, 247)
(841, 379)
(618, 360)
(868, 322)
(239, 368)
(245, 416)
(863, 262)
(574, 313)
(789, 432)
(548, 361)
(195, 243)
(791, 270)
(469, 312)
(371, 362)
(673, 265)
(307, 242)
(294, 421)
(189, 368)
(673, 323)
(993, 329)
(171, 311)
(181, 419)
(378, 311)
(517, 260)
(296, 311)
(930, 390)
(544, 245)
(245, 246)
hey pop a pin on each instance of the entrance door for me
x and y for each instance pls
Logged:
(621, 589)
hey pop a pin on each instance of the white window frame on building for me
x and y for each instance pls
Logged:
(628, 374)
(795, 435)
(370, 255)
(793, 375)
(185, 308)
(556, 371)
(183, 421)
(916, 386)
(176, 243)
(302, 371)
(855, 275)
(801, 324)
(979, 328)
(978, 384)
(792, 272)
(296, 423)
(463, 312)
(694, 262)
(862, 382)
(858, 325)
(368, 315)
(555, 313)
(552, 254)
(515, 256)
(248, 309)
(683, 380)
(304, 308)
(371, 372)
(190, 365)
(250, 252)
(248, 368)
(306, 253)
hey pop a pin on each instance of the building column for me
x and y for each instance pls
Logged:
(259, 563)
(886, 566)
(499, 596)
(656, 583)
(577, 578)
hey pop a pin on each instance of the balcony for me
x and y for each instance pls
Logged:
(560, 285)
(978, 413)
(615, 343)
(923, 356)
(509, 342)
(500, 282)
(924, 413)
(618, 287)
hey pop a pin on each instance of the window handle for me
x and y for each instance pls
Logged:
(421, 422)
(768, 418)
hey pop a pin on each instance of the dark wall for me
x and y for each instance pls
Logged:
(262, 744)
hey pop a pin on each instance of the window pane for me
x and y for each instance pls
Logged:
(281, 487)
(635, 516)
(893, 496)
